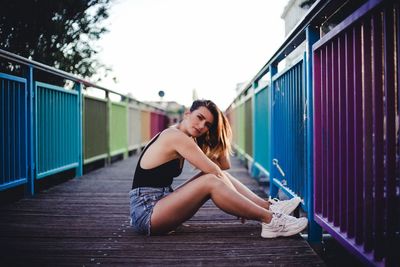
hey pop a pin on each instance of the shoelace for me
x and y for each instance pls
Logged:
(273, 200)
(283, 222)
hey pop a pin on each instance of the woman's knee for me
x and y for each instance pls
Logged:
(209, 177)
(211, 181)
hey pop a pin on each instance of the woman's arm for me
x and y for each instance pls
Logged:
(188, 149)
(189, 180)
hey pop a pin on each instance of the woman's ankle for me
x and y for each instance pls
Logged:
(267, 218)
(267, 204)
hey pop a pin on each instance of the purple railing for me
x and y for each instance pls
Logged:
(356, 132)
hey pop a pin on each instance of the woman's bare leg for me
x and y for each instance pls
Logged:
(244, 190)
(225, 179)
(235, 183)
(183, 203)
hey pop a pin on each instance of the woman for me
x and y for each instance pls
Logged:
(202, 138)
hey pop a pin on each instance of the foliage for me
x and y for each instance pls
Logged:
(58, 33)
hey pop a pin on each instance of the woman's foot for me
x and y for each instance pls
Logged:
(283, 225)
(284, 206)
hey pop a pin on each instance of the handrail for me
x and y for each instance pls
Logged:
(25, 61)
(294, 38)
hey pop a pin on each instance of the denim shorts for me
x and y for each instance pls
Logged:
(142, 202)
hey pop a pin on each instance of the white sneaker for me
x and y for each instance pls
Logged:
(283, 225)
(284, 206)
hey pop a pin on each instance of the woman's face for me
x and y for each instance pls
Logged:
(199, 121)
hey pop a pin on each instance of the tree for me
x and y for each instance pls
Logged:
(58, 33)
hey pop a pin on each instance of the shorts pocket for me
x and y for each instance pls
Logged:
(149, 200)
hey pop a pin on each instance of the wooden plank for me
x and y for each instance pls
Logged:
(85, 222)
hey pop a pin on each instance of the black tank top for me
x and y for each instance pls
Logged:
(160, 176)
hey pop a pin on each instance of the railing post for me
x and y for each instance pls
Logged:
(30, 189)
(315, 230)
(79, 169)
(273, 189)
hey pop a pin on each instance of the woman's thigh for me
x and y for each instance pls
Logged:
(142, 202)
(179, 206)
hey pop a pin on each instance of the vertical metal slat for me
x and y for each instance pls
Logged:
(367, 128)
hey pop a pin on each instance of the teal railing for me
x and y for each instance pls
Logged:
(50, 124)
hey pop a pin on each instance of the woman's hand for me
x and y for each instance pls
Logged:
(223, 161)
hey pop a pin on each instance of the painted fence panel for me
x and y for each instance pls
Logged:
(289, 166)
(95, 129)
(262, 151)
(164, 122)
(118, 128)
(153, 124)
(13, 131)
(161, 122)
(57, 129)
(146, 126)
(235, 124)
(134, 126)
(231, 115)
(356, 133)
(241, 133)
(248, 124)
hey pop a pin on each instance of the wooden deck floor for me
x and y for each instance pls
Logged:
(84, 222)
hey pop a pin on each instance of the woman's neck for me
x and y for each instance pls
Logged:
(179, 126)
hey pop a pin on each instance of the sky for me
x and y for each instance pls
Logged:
(180, 45)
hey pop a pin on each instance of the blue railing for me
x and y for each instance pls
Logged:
(13, 130)
(289, 131)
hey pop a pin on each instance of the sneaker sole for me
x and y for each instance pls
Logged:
(285, 234)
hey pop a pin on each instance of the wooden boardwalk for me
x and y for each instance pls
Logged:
(84, 222)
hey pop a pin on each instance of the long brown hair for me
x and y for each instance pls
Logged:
(217, 140)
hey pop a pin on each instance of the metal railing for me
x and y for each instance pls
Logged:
(57, 123)
(13, 131)
(327, 127)
(289, 131)
(356, 125)
(48, 127)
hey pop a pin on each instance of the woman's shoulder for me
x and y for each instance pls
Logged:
(173, 134)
